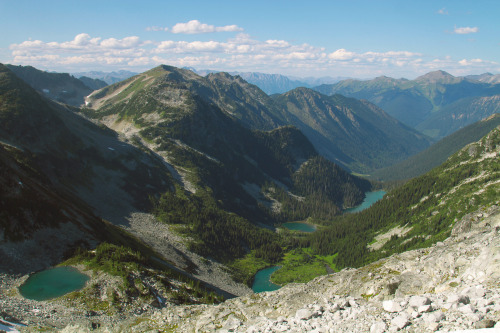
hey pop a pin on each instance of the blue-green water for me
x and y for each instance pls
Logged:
(53, 283)
(299, 226)
(370, 199)
(262, 281)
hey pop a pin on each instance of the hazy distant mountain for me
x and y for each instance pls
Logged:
(316, 81)
(93, 84)
(108, 77)
(459, 114)
(417, 102)
(272, 83)
(60, 87)
(275, 83)
(486, 77)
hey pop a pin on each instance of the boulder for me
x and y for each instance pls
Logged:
(303, 314)
(400, 321)
(418, 301)
(378, 327)
(391, 306)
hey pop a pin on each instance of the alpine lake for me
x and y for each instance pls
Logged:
(262, 280)
(52, 283)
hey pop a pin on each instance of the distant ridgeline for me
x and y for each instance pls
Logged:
(437, 104)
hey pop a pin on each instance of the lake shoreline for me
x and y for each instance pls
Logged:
(262, 280)
(370, 198)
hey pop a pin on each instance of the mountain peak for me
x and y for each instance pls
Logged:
(173, 73)
(438, 76)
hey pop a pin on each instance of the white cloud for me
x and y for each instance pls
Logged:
(196, 27)
(341, 54)
(239, 53)
(125, 43)
(443, 11)
(156, 28)
(465, 30)
(475, 62)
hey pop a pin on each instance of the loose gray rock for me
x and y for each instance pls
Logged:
(303, 314)
(424, 308)
(485, 323)
(391, 306)
(455, 299)
(231, 323)
(433, 317)
(418, 301)
(400, 321)
(378, 327)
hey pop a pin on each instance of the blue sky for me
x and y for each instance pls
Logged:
(362, 39)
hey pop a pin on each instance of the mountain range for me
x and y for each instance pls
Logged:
(168, 186)
(384, 139)
(275, 83)
(437, 103)
(108, 77)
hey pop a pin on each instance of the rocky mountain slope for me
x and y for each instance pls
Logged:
(431, 96)
(356, 134)
(252, 108)
(451, 285)
(77, 155)
(190, 121)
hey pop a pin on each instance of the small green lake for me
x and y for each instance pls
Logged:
(52, 283)
(370, 199)
(262, 280)
(299, 226)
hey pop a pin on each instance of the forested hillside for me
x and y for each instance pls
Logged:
(419, 213)
(438, 152)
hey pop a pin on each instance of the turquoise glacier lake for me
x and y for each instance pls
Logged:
(299, 226)
(52, 283)
(370, 199)
(262, 281)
